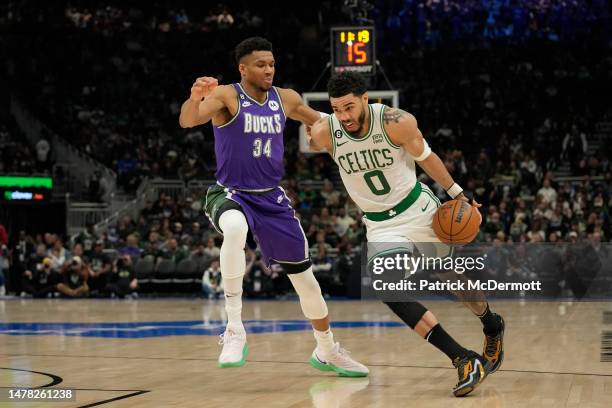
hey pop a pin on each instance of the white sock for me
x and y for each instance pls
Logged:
(325, 340)
(233, 304)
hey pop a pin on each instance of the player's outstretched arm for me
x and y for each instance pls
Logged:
(207, 98)
(319, 136)
(296, 109)
(403, 129)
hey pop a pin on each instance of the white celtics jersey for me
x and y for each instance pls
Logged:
(376, 173)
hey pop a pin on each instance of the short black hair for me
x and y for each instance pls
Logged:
(251, 44)
(346, 82)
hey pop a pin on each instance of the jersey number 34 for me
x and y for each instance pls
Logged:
(266, 150)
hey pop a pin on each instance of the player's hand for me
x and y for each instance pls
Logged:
(473, 202)
(202, 87)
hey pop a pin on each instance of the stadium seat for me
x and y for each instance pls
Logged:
(145, 270)
(185, 278)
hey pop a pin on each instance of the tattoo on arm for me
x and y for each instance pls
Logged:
(393, 115)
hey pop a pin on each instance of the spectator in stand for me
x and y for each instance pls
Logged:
(225, 20)
(308, 197)
(58, 254)
(73, 278)
(494, 224)
(122, 279)
(152, 247)
(343, 221)
(212, 250)
(199, 256)
(39, 279)
(261, 281)
(43, 162)
(99, 268)
(320, 243)
(575, 146)
(356, 233)
(331, 196)
(321, 261)
(172, 251)
(196, 234)
(21, 251)
(547, 192)
(179, 232)
(87, 238)
(131, 248)
(212, 283)
(346, 264)
(95, 192)
(125, 227)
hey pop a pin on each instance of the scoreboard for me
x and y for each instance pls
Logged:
(353, 49)
(25, 189)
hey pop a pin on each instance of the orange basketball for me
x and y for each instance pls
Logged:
(456, 222)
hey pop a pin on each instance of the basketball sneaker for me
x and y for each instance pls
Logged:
(235, 348)
(494, 348)
(339, 361)
(471, 370)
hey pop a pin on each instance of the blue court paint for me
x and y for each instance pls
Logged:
(139, 330)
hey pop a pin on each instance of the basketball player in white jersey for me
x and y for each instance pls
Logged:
(376, 148)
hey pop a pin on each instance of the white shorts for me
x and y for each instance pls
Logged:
(412, 228)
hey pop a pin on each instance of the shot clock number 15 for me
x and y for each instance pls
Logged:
(353, 48)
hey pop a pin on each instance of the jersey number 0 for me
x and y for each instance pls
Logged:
(381, 186)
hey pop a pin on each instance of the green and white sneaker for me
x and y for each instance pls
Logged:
(339, 361)
(235, 349)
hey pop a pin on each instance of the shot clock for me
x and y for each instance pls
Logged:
(353, 49)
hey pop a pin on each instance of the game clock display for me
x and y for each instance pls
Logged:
(353, 49)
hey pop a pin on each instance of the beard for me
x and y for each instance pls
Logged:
(264, 88)
(360, 123)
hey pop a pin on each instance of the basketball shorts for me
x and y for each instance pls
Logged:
(408, 229)
(272, 224)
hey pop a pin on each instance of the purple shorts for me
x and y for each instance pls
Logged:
(272, 222)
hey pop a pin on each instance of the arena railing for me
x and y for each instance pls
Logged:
(80, 214)
(150, 190)
(63, 150)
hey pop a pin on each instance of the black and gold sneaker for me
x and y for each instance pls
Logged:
(494, 348)
(471, 370)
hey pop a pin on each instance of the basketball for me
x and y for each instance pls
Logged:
(456, 222)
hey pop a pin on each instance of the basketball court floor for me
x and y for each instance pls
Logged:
(162, 353)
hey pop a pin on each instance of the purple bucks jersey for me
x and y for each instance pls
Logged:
(249, 148)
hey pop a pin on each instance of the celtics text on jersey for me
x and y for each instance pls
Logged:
(376, 173)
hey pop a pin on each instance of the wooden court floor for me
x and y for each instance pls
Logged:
(162, 353)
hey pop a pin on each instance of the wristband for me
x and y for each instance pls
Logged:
(454, 190)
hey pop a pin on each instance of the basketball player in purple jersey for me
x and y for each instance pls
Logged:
(248, 120)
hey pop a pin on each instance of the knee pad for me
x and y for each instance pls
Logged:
(309, 291)
(410, 312)
(234, 227)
